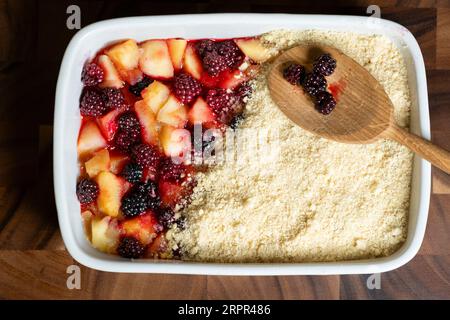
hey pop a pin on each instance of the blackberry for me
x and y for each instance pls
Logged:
(204, 46)
(170, 171)
(186, 88)
(125, 140)
(294, 74)
(150, 189)
(140, 198)
(166, 217)
(214, 63)
(128, 122)
(223, 103)
(92, 74)
(132, 172)
(92, 103)
(231, 53)
(219, 56)
(134, 204)
(87, 191)
(130, 248)
(314, 83)
(137, 88)
(325, 102)
(244, 91)
(324, 65)
(114, 98)
(145, 155)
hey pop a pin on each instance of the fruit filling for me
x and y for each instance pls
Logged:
(140, 105)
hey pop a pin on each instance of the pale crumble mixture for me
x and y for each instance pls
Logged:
(317, 200)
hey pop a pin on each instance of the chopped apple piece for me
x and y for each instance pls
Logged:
(86, 217)
(111, 190)
(147, 119)
(133, 76)
(172, 104)
(176, 50)
(90, 139)
(111, 78)
(155, 59)
(173, 113)
(125, 55)
(192, 63)
(108, 123)
(236, 77)
(144, 227)
(105, 234)
(254, 49)
(159, 248)
(173, 194)
(99, 162)
(201, 113)
(155, 95)
(117, 162)
(175, 142)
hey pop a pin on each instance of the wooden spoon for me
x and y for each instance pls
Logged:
(363, 114)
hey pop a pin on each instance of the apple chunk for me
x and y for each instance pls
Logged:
(99, 162)
(105, 234)
(111, 190)
(159, 248)
(175, 142)
(172, 194)
(192, 63)
(108, 123)
(144, 227)
(125, 55)
(155, 59)
(147, 120)
(117, 162)
(86, 217)
(173, 113)
(155, 95)
(176, 50)
(201, 113)
(90, 139)
(254, 49)
(111, 78)
(234, 78)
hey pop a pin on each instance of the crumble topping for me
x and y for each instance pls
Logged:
(312, 199)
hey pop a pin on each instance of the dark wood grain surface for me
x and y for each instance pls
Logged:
(33, 261)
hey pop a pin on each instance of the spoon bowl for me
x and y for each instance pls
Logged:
(363, 110)
(363, 113)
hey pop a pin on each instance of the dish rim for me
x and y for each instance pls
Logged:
(111, 263)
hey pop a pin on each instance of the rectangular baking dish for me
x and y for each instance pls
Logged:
(67, 122)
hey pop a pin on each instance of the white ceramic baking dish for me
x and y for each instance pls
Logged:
(67, 121)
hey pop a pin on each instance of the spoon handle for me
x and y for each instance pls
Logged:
(427, 150)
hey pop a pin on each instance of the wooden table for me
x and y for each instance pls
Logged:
(33, 261)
